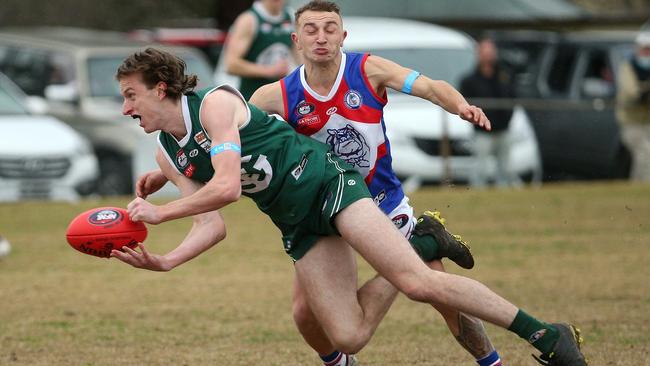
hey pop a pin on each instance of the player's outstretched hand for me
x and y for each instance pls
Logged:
(142, 259)
(149, 183)
(141, 210)
(475, 115)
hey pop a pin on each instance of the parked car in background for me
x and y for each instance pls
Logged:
(568, 84)
(73, 70)
(209, 40)
(40, 156)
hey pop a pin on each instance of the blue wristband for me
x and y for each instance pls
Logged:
(408, 83)
(224, 147)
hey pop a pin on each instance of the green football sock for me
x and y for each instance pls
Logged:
(539, 334)
(426, 247)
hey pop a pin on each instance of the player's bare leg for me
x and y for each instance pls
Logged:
(328, 276)
(467, 330)
(306, 322)
(375, 238)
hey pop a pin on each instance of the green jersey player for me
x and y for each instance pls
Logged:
(258, 49)
(342, 215)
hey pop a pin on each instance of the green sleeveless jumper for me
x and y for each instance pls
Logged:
(287, 175)
(272, 43)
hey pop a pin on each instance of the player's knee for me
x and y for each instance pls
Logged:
(302, 314)
(348, 340)
(421, 287)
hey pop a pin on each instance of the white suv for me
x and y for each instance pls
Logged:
(40, 156)
(73, 71)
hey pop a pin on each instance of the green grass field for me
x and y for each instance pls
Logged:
(564, 252)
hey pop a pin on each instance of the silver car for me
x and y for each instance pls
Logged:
(73, 71)
(40, 156)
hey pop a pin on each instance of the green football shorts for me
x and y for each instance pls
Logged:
(342, 186)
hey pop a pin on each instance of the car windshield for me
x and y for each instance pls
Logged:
(620, 53)
(103, 82)
(8, 102)
(438, 64)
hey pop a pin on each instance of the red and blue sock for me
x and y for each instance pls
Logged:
(492, 359)
(335, 358)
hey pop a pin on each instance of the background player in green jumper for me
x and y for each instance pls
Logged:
(259, 47)
(153, 84)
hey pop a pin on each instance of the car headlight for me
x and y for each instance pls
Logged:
(84, 148)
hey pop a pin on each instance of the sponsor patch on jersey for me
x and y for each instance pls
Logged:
(189, 171)
(206, 146)
(380, 197)
(265, 27)
(331, 111)
(303, 108)
(400, 220)
(194, 153)
(200, 137)
(353, 99)
(310, 120)
(300, 168)
(536, 336)
(181, 158)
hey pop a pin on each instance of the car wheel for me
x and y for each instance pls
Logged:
(622, 163)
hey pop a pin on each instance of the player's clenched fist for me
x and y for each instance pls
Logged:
(141, 210)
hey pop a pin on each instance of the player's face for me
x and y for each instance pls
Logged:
(140, 102)
(319, 36)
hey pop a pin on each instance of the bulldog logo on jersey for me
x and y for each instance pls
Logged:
(349, 145)
(353, 99)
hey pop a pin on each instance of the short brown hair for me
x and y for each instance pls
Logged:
(155, 66)
(317, 5)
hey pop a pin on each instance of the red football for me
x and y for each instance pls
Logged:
(98, 231)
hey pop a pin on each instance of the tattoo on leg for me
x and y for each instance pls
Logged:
(472, 336)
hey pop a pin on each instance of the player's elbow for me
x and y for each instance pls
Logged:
(219, 234)
(210, 225)
(230, 193)
(221, 193)
(232, 66)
